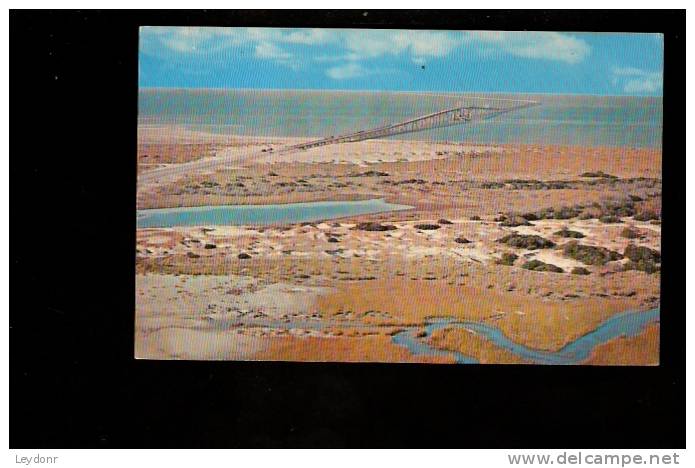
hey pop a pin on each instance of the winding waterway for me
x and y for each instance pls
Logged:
(626, 324)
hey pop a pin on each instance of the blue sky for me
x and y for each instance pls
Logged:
(399, 60)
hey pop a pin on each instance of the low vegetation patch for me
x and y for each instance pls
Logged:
(564, 212)
(566, 233)
(374, 226)
(598, 174)
(609, 211)
(642, 259)
(645, 266)
(588, 254)
(639, 254)
(409, 181)
(369, 174)
(537, 265)
(514, 221)
(507, 259)
(629, 233)
(647, 215)
(610, 219)
(533, 184)
(580, 271)
(427, 227)
(529, 242)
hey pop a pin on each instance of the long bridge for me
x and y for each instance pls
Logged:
(445, 118)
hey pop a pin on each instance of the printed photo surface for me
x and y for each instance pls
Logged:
(366, 195)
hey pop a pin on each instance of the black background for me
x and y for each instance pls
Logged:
(73, 381)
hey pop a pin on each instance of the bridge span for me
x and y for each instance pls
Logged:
(445, 118)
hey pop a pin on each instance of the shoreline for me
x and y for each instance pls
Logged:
(187, 133)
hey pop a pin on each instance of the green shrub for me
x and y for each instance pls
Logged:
(598, 174)
(639, 254)
(566, 212)
(530, 216)
(566, 233)
(427, 227)
(523, 241)
(642, 265)
(621, 208)
(610, 219)
(589, 255)
(374, 226)
(507, 259)
(580, 271)
(647, 215)
(537, 265)
(546, 213)
(514, 221)
(629, 233)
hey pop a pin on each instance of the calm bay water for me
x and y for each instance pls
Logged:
(231, 215)
(560, 119)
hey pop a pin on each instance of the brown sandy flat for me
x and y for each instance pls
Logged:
(357, 349)
(398, 277)
(475, 346)
(640, 350)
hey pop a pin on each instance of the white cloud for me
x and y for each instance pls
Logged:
(347, 71)
(188, 40)
(268, 50)
(349, 47)
(433, 44)
(375, 43)
(534, 45)
(310, 36)
(369, 44)
(637, 81)
(628, 71)
(184, 39)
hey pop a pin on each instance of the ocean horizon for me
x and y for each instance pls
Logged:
(584, 120)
